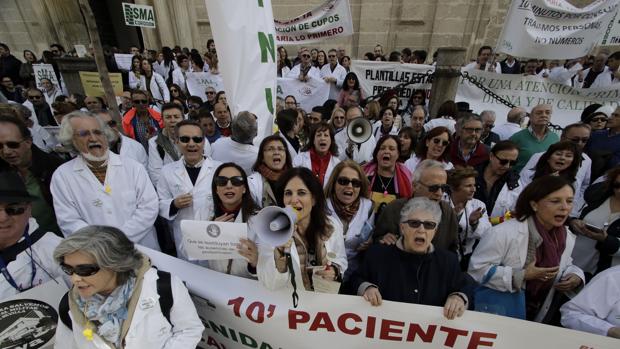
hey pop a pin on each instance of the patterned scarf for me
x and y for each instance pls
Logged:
(164, 142)
(271, 175)
(346, 212)
(108, 312)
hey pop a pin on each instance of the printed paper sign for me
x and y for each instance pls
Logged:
(139, 15)
(44, 71)
(91, 82)
(123, 61)
(209, 240)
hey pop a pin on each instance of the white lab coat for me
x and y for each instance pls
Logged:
(582, 179)
(472, 67)
(505, 131)
(174, 182)
(376, 129)
(505, 246)
(596, 308)
(225, 149)
(149, 328)
(21, 268)
(126, 201)
(413, 162)
(272, 279)
(605, 79)
(506, 200)
(155, 161)
(131, 149)
(339, 73)
(42, 138)
(361, 154)
(291, 150)
(163, 70)
(255, 182)
(585, 73)
(467, 234)
(179, 78)
(303, 160)
(158, 87)
(314, 72)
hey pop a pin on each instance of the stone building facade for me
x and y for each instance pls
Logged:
(396, 24)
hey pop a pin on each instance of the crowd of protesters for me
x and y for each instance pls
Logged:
(430, 209)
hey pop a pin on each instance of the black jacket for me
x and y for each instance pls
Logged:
(10, 65)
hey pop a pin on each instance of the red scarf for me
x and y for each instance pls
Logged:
(319, 164)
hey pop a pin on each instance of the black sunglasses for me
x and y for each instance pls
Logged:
(221, 181)
(433, 188)
(505, 162)
(82, 270)
(344, 181)
(196, 139)
(416, 223)
(35, 97)
(140, 101)
(210, 92)
(305, 56)
(10, 145)
(601, 119)
(15, 210)
(443, 143)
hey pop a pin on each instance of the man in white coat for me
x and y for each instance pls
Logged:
(360, 153)
(26, 252)
(184, 187)
(238, 148)
(333, 74)
(123, 145)
(99, 187)
(179, 75)
(304, 70)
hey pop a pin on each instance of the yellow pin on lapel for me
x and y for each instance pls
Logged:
(108, 190)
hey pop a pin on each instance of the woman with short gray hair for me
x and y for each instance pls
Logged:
(110, 279)
(413, 270)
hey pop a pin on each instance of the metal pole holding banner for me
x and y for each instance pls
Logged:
(447, 75)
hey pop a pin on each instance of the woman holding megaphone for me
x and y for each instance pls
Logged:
(316, 247)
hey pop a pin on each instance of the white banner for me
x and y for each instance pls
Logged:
(528, 91)
(44, 71)
(308, 94)
(329, 20)
(240, 313)
(247, 55)
(139, 15)
(123, 61)
(612, 33)
(197, 84)
(554, 29)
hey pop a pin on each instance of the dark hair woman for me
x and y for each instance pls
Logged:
(320, 154)
(288, 128)
(435, 146)
(26, 71)
(385, 125)
(272, 161)
(165, 65)
(532, 253)
(135, 73)
(408, 140)
(154, 83)
(351, 84)
(317, 241)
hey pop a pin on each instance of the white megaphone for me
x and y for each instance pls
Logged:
(359, 130)
(273, 225)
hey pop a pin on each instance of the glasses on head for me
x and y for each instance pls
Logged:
(472, 129)
(344, 181)
(416, 223)
(583, 140)
(433, 188)
(275, 149)
(35, 97)
(82, 270)
(505, 162)
(221, 181)
(88, 133)
(186, 139)
(11, 144)
(599, 119)
(13, 210)
(444, 143)
(140, 101)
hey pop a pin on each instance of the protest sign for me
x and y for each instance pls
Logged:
(554, 29)
(28, 319)
(528, 91)
(139, 15)
(44, 71)
(248, 62)
(91, 83)
(241, 313)
(80, 50)
(197, 83)
(203, 240)
(123, 61)
(308, 94)
(329, 20)
(612, 32)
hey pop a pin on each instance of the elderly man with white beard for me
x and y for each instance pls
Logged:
(99, 187)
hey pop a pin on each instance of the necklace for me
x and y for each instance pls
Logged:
(384, 186)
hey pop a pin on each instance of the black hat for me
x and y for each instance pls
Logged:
(463, 107)
(587, 113)
(13, 189)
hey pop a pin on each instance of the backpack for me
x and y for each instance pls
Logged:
(164, 289)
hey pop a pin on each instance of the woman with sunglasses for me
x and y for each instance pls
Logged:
(317, 241)
(530, 256)
(434, 146)
(272, 161)
(413, 270)
(177, 92)
(320, 154)
(470, 212)
(349, 202)
(233, 202)
(385, 125)
(351, 84)
(112, 282)
(389, 179)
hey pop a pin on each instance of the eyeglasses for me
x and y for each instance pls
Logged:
(15, 210)
(196, 139)
(416, 223)
(599, 119)
(472, 130)
(505, 162)
(82, 270)
(583, 140)
(174, 90)
(344, 181)
(616, 185)
(331, 56)
(88, 133)
(140, 101)
(443, 143)
(221, 181)
(275, 149)
(111, 123)
(305, 56)
(35, 97)
(433, 188)
(11, 144)
(210, 92)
